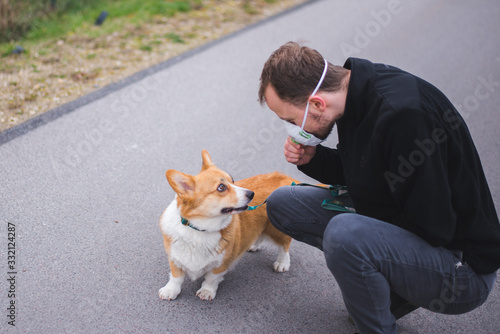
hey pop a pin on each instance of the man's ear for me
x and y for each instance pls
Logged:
(207, 160)
(318, 102)
(183, 184)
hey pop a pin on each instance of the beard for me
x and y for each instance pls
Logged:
(325, 131)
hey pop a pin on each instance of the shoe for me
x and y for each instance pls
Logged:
(399, 307)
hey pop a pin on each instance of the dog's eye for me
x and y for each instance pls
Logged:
(222, 187)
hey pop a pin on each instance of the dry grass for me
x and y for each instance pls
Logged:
(55, 72)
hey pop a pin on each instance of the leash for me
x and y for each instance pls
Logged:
(250, 208)
(328, 204)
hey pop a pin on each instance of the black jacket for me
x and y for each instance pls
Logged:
(407, 158)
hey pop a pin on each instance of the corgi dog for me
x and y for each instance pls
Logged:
(206, 228)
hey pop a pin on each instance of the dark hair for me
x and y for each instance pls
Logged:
(294, 71)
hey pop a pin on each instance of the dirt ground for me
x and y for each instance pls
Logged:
(56, 72)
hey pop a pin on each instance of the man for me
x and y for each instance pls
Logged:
(425, 231)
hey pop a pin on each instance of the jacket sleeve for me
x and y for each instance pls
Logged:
(325, 166)
(415, 149)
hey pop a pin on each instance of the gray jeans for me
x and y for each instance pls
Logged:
(370, 258)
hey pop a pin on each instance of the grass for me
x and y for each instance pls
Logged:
(173, 37)
(66, 56)
(78, 17)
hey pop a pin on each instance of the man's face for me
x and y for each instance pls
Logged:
(317, 123)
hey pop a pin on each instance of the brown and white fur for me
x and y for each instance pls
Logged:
(213, 203)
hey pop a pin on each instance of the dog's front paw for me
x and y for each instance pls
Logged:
(281, 267)
(206, 294)
(282, 264)
(168, 293)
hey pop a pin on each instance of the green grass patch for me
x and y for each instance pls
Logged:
(42, 22)
(174, 38)
(249, 9)
(147, 48)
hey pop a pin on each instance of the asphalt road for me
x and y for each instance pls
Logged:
(83, 186)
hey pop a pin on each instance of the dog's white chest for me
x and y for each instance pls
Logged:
(193, 251)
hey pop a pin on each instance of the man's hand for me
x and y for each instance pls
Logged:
(298, 154)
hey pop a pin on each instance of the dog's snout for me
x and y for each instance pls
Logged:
(249, 194)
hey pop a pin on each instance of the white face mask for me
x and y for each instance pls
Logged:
(298, 134)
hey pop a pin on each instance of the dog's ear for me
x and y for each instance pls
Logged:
(183, 184)
(207, 160)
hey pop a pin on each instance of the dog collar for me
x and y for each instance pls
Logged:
(186, 222)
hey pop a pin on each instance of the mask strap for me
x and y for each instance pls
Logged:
(314, 92)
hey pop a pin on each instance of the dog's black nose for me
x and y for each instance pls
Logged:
(250, 194)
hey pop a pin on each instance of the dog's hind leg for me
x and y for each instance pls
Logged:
(256, 245)
(282, 264)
